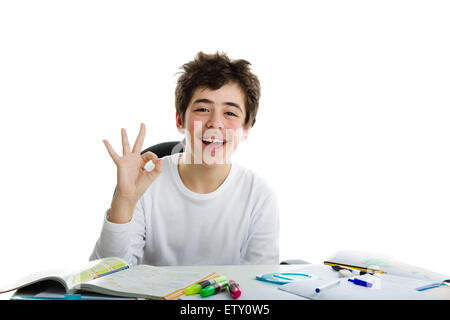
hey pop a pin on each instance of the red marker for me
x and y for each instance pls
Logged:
(234, 289)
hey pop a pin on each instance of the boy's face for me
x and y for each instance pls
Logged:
(214, 124)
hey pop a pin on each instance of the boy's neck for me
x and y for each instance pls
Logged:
(200, 178)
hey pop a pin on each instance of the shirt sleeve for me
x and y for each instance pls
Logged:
(262, 245)
(123, 240)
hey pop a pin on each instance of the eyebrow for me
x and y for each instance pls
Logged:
(228, 103)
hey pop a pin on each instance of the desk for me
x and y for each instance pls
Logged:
(243, 274)
(253, 289)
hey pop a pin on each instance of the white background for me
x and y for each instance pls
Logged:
(353, 130)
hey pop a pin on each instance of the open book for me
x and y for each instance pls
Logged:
(396, 281)
(113, 276)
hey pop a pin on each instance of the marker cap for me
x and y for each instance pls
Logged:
(234, 289)
(196, 288)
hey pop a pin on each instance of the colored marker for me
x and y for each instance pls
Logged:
(196, 288)
(361, 282)
(214, 288)
(234, 289)
(328, 285)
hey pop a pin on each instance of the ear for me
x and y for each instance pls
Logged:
(245, 133)
(179, 123)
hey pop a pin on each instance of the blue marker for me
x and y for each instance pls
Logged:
(361, 282)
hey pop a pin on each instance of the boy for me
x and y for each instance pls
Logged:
(195, 208)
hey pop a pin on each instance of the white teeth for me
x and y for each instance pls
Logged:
(212, 140)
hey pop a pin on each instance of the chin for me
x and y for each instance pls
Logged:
(214, 161)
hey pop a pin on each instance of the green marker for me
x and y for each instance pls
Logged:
(196, 288)
(214, 288)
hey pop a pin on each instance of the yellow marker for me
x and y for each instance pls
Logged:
(196, 288)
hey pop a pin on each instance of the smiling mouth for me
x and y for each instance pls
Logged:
(213, 143)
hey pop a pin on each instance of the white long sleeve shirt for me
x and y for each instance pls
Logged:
(237, 223)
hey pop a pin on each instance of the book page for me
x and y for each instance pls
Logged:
(94, 270)
(70, 278)
(147, 282)
(58, 275)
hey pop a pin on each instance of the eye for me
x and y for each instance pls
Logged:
(229, 113)
(201, 109)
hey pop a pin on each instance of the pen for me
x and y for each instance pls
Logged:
(196, 288)
(214, 288)
(234, 289)
(328, 285)
(431, 286)
(353, 267)
(360, 282)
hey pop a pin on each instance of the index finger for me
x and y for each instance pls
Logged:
(139, 140)
(111, 151)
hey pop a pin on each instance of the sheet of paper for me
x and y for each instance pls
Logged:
(440, 292)
(345, 290)
(386, 263)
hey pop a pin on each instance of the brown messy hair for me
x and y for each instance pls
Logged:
(213, 71)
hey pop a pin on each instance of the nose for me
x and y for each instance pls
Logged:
(214, 121)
